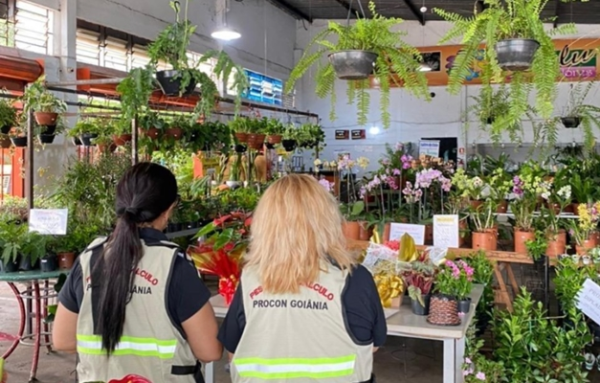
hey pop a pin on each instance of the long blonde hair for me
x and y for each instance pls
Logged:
(296, 225)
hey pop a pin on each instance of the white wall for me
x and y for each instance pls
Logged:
(412, 118)
(264, 28)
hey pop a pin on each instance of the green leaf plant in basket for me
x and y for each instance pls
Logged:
(368, 47)
(42, 102)
(516, 41)
(578, 113)
(8, 114)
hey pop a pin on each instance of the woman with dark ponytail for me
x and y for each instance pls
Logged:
(134, 303)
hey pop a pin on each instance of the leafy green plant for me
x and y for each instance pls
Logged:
(500, 20)
(569, 281)
(588, 115)
(135, 91)
(33, 246)
(11, 240)
(8, 113)
(397, 62)
(85, 126)
(39, 99)
(536, 248)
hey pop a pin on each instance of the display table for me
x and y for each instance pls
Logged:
(37, 302)
(408, 325)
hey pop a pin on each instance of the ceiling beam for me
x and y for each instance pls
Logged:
(556, 12)
(415, 11)
(298, 14)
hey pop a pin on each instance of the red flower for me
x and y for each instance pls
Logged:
(394, 245)
(248, 222)
(221, 220)
(131, 379)
(229, 246)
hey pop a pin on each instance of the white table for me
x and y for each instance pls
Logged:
(404, 323)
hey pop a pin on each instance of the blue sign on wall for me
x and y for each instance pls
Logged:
(264, 89)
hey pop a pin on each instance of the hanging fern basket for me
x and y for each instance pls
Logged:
(516, 54)
(170, 83)
(353, 65)
(571, 122)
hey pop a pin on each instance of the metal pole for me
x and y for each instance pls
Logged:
(29, 160)
(98, 81)
(134, 141)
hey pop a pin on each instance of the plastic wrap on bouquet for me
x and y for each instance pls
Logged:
(376, 254)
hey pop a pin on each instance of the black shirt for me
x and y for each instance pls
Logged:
(187, 294)
(361, 304)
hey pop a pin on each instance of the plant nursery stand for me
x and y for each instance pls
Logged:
(35, 296)
(405, 324)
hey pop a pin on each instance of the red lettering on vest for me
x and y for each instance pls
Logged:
(256, 292)
(322, 290)
(147, 276)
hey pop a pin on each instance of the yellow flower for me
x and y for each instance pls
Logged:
(363, 162)
(317, 162)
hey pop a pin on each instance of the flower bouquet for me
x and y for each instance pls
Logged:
(419, 279)
(453, 284)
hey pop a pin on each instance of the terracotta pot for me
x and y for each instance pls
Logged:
(351, 230)
(521, 237)
(557, 243)
(386, 232)
(5, 142)
(586, 247)
(573, 208)
(568, 208)
(65, 261)
(429, 234)
(45, 118)
(256, 141)
(476, 204)
(595, 236)
(151, 133)
(365, 231)
(241, 137)
(502, 207)
(176, 133)
(274, 139)
(104, 148)
(122, 139)
(487, 240)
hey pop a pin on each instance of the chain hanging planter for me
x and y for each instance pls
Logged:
(570, 122)
(516, 54)
(353, 64)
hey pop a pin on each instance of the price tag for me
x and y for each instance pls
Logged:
(48, 221)
(417, 232)
(445, 231)
(588, 300)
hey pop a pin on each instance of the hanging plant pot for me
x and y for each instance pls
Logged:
(269, 145)
(76, 141)
(50, 129)
(274, 139)
(46, 138)
(516, 54)
(19, 142)
(353, 64)
(151, 133)
(289, 145)
(175, 133)
(170, 83)
(256, 141)
(5, 142)
(241, 137)
(106, 148)
(45, 118)
(240, 148)
(5, 129)
(122, 139)
(86, 139)
(570, 122)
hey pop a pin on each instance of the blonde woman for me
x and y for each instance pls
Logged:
(304, 310)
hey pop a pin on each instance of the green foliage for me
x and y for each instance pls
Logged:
(397, 62)
(208, 88)
(39, 99)
(494, 371)
(533, 348)
(569, 280)
(536, 248)
(172, 42)
(12, 234)
(505, 20)
(589, 114)
(135, 91)
(89, 126)
(8, 113)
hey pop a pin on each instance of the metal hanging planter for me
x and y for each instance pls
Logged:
(353, 64)
(516, 54)
(570, 122)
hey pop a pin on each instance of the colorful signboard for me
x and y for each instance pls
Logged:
(578, 59)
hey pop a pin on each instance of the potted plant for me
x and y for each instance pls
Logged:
(33, 249)
(485, 233)
(104, 143)
(275, 130)
(369, 47)
(121, 130)
(289, 138)
(500, 183)
(556, 236)
(419, 280)
(151, 125)
(135, 91)
(255, 130)
(18, 135)
(177, 127)
(86, 131)
(516, 40)
(525, 188)
(8, 115)
(443, 308)
(536, 247)
(11, 244)
(582, 228)
(578, 113)
(469, 187)
(351, 213)
(42, 102)
(47, 134)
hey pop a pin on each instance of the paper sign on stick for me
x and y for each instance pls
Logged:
(588, 300)
(445, 231)
(48, 221)
(417, 232)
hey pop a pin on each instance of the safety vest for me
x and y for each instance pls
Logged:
(151, 346)
(299, 337)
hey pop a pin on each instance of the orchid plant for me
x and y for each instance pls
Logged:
(471, 187)
(557, 202)
(582, 228)
(484, 217)
(526, 190)
(499, 184)
(348, 167)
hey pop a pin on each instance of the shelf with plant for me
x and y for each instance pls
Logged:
(8, 115)
(508, 28)
(394, 62)
(44, 104)
(18, 135)
(578, 113)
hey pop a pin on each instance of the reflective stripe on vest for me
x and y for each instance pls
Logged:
(163, 349)
(291, 368)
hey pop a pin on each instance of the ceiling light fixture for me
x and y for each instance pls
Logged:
(225, 33)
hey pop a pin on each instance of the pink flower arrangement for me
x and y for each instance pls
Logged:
(427, 177)
(412, 195)
(455, 279)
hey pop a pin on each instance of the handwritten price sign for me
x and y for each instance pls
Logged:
(48, 221)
